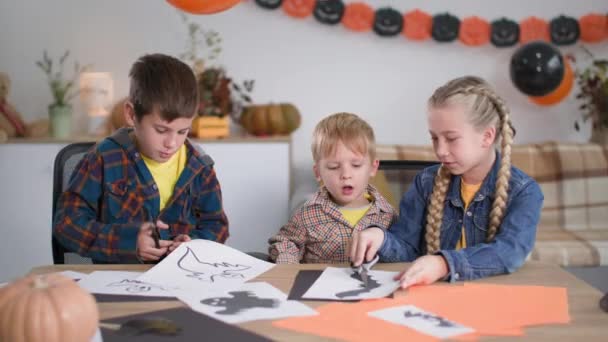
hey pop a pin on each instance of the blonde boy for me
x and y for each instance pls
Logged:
(344, 154)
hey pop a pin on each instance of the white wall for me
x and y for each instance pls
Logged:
(319, 68)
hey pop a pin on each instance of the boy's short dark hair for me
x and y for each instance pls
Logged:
(163, 83)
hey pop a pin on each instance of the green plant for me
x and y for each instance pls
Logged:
(593, 85)
(62, 89)
(219, 94)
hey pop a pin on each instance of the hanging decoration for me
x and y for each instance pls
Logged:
(203, 6)
(417, 25)
(329, 12)
(537, 68)
(564, 30)
(505, 33)
(474, 31)
(358, 17)
(269, 4)
(445, 28)
(298, 8)
(388, 22)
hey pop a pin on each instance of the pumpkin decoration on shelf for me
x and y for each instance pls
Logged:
(50, 308)
(271, 119)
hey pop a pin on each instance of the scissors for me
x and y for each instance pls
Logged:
(364, 268)
(156, 236)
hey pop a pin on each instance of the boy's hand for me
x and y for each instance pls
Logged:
(178, 241)
(146, 249)
(365, 244)
(425, 270)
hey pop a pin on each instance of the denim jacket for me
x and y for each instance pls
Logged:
(404, 241)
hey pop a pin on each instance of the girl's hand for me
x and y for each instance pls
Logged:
(365, 244)
(178, 241)
(425, 270)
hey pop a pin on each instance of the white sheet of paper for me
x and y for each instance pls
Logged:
(338, 284)
(249, 302)
(122, 283)
(74, 275)
(422, 321)
(205, 264)
(97, 337)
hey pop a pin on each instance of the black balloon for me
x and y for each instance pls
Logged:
(537, 68)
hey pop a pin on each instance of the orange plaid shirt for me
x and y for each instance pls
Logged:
(318, 233)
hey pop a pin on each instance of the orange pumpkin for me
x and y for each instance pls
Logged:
(50, 308)
(272, 119)
(203, 6)
(593, 27)
(358, 17)
(418, 25)
(474, 31)
(534, 28)
(299, 8)
(117, 116)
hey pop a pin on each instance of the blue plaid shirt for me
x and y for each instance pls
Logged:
(111, 193)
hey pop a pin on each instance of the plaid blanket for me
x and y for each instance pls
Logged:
(573, 229)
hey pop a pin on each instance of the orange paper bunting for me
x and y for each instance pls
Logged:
(474, 31)
(532, 29)
(561, 92)
(593, 27)
(299, 8)
(488, 309)
(358, 17)
(417, 25)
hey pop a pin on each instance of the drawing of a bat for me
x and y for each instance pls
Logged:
(136, 286)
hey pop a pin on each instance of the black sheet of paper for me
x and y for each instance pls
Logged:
(304, 281)
(194, 327)
(109, 298)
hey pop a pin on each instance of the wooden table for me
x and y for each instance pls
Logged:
(589, 322)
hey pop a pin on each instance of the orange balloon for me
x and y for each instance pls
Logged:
(560, 92)
(203, 6)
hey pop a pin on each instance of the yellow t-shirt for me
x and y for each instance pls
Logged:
(354, 215)
(166, 174)
(467, 192)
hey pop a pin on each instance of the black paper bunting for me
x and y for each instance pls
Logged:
(329, 12)
(445, 27)
(388, 22)
(564, 30)
(505, 33)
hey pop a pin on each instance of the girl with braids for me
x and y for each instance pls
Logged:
(472, 216)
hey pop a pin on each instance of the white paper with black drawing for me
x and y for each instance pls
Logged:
(122, 283)
(249, 302)
(346, 284)
(421, 321)
(203, 263)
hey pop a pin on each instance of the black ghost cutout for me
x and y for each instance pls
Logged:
(388, 22)
(269, 4)
(445, 28)
(371, 284)
(564, 30)
(505, 33)
(240, 300)
(329, 11)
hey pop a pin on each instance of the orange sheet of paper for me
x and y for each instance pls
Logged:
(488, 309)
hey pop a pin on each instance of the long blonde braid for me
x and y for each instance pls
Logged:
(486, 108)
